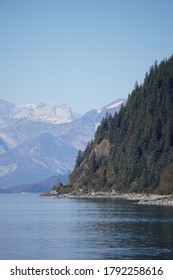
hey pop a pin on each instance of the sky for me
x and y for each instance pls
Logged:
(86, 53)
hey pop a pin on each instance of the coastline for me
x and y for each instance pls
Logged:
(148, 199)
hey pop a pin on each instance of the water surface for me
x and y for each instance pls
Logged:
(34, 227)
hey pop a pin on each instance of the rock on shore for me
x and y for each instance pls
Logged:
(150, 199)
(157, 200)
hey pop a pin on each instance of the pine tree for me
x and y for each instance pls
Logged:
(140, 138)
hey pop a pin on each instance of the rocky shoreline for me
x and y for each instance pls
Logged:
(150, 199)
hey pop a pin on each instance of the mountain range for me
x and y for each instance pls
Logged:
(42, 141)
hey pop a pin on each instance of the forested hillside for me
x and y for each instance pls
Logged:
(133, 150)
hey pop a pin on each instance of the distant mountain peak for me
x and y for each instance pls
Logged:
(9, 113)
(39, 141)
(113, 105)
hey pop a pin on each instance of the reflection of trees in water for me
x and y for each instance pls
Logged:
(127, 230)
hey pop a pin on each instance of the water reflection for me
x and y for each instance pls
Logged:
(44, 228)
(129, 231)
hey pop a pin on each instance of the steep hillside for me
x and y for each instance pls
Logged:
(133, 151)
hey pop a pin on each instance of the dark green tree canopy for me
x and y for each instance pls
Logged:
(140, 140)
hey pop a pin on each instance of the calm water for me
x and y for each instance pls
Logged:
(33, 227)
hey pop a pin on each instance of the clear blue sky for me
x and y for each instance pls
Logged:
(85, 53)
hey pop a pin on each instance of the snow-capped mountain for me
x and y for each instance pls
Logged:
(46, 113)
(38, 142)
(116, 104)
(9, 113)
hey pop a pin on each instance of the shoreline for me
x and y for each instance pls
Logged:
(143, 199)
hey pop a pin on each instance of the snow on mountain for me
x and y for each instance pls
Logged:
(114, 105)
(46, 113)
(42, 141)
(9, 113)
(36, 159)
(7, 169)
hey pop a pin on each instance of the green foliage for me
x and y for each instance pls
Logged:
(140, 137)
(79, 158)
(103, 129)
(166, 180)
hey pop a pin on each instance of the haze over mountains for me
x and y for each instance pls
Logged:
(41, 141)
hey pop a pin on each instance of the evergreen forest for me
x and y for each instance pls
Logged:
(133, 150)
